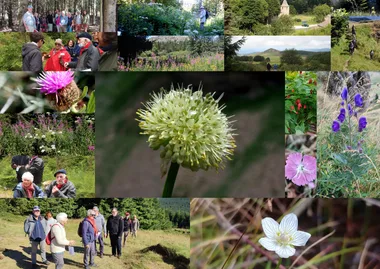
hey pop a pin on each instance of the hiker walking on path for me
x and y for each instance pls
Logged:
(127, 227)
(89, 231)
(34, 227)
(50, 221)
(135, 226)
(26, 188)
(101, 226)
(115, 230)
(61, 187)
(59, 240)
(29, 20)
(203, 16)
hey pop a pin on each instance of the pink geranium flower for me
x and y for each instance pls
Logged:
(301, 170)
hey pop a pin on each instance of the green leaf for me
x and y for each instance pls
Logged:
(339, 158)
(299, 132)
(91, 103)
(84, 93)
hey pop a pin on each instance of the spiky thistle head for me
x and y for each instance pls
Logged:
(191, 128)
(60, 89)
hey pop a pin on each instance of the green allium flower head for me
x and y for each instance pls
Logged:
(191, 128)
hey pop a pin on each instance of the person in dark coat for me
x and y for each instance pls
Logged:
(61, 187)
(108, 43)
(50, 21)
(115, 229)
(27, 189)
(73, 49)
(127, 227)
(89, 231)
(31, 54)
(18, 163)
(88, 57)
(36, 167)
(353, 30)
(269, 67)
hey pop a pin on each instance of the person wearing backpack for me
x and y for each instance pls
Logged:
(101, 226)
(58, 241)
(89, 231)
(34, 227)
(203, 15)
(115, 229)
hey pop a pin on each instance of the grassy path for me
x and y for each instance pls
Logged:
(140, 252)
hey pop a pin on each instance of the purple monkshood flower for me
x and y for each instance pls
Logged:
(348, 147)
(342, 115)
(344, 93)
(362, 123)
(358, 100)
(342, 104)
(335, 126)
(51, 82)
(350, 111)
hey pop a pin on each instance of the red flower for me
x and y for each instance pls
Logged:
(315, 82)
(293, 90)
(301, 72)
(291, 108)
(310, 81)
(304, 106)
(298, 101)
(287, 97)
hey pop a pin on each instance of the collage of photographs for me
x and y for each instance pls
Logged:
(176, 134)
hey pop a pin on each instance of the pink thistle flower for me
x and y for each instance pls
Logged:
(301, 170)
(91, 148)
(51, 82)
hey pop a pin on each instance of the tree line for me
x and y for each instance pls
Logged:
(151, 214)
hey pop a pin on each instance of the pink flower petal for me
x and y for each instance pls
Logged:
(292, 162)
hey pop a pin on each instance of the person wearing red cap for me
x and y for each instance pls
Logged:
(61, 187)
(127, 227)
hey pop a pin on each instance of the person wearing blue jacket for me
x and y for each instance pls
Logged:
(89, 232)
(26, 188)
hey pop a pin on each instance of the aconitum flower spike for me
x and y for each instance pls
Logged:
(335, 126)
(362, 123)
(358, 100)
(350, 111)
(342, 115)
(344, 94)
(59, 88)
(342, 103)
(189, 127)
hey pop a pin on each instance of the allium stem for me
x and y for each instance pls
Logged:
(170, 180)
(279, 263)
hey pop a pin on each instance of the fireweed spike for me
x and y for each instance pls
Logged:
(59, 88)
(190, 129)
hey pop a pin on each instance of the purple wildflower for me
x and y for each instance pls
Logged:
(350, 111)
(51, 82)
(342, 104)
(344, 93)
(362, 123)
(335, 126)
(342, 115)
(358, 100)
(91, 148)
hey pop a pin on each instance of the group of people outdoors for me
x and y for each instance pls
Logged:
(49, 231)
(57, 21)
(96, 52)
(29, 173)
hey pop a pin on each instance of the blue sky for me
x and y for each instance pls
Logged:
(261, 43)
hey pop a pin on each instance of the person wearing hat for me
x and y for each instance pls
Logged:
(61, 187)
(29, 225)
(89, 55)
(101, 226)
(31, 53)
(57, 57)
(203, 17)
(26, 188)
(127, 227)
(29, 20)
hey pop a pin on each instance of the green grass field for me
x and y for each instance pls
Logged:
(310, 19)
(80, 170)
(174, 250)
(360, 60)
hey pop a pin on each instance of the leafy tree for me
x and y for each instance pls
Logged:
(320, 12)
(253, 12)
(339, 25)
(284, 25)
(259, 58)
(291, 57)
(364, 5)
(231, 49)
(292, 10)
(267, 59)
(274, 8)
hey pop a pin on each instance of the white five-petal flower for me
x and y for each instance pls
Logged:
(282, 237)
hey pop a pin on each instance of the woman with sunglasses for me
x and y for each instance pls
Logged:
(57, 57)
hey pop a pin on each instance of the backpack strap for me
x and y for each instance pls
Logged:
(52, 230)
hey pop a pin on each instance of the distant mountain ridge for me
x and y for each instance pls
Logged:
(277, 52)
